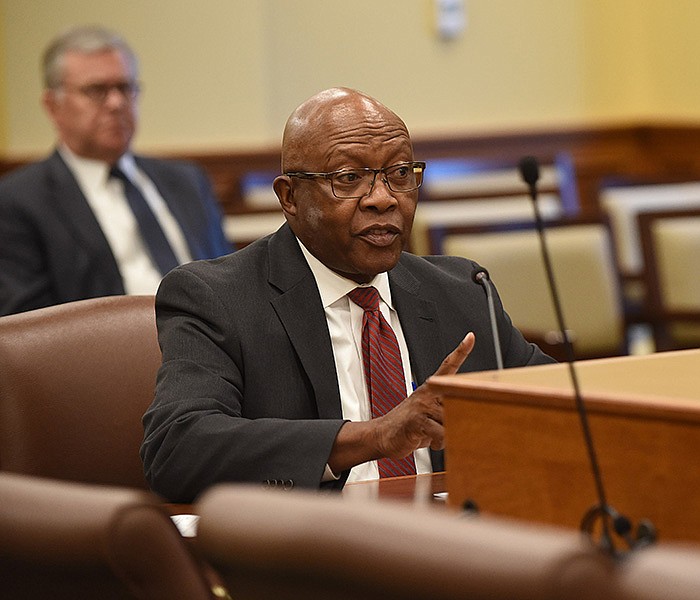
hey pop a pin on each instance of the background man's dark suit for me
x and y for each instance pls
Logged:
(248, 390)
(52, 249)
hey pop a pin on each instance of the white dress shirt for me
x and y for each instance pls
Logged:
(345, 325)
(106, 198)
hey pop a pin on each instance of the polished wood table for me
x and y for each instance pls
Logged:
(429, 489)
(426, 490)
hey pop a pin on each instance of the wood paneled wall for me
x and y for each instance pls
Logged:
(639, 152)
(628, 152)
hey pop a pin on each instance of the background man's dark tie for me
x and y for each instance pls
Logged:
(153, 237)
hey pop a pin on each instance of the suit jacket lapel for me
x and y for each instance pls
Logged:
(178, 203)
(307, 329)
(419, 318)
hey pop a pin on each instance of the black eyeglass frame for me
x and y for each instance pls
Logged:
(99, 92)
(330, 175)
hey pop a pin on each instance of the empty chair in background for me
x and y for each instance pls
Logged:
(585, 276)
(671, 248)
(466, 192)
(621, 202)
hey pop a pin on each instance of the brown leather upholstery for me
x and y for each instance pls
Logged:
(275, 544)
(64, 540)
(664, 572)
(75, 380)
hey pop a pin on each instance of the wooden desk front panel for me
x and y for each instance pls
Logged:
(515, 446)
(531, 463)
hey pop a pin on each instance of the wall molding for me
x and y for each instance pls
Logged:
(637, 152)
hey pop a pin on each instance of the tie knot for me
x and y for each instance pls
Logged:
(366, 297)
(117, 173)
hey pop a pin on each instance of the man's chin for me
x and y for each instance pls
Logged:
(112, 152)
(380, 262)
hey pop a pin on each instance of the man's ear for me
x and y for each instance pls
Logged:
(48, 101)
(283, 189)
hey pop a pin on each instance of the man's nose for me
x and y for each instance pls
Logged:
(116, 96)
(380, 195)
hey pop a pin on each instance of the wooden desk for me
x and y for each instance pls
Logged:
(415, 489)
(514, 443)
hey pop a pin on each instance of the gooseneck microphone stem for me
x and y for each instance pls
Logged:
(530, 173)
(482, 278)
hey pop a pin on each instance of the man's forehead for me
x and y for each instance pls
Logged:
(96, 61)
(338, 116)
(354, 109)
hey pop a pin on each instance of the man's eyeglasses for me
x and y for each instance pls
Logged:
(356, 183)
(98, 92)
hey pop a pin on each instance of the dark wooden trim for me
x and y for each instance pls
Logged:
(228, 172)
(632, 152)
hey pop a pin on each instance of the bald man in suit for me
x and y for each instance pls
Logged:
(262, 377)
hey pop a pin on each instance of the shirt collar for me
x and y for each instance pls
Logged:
(95, 172)
(333, 287)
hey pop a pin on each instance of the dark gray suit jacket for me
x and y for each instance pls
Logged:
(52, 249)
(248, 389)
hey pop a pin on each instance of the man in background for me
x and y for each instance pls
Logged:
(93, 219)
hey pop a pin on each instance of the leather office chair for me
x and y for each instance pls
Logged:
(268, 543)
(75, 380)
(65, 540)
(664, 572)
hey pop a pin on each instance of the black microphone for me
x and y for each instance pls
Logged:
(608, 516)
(530, 173)
(481, 276)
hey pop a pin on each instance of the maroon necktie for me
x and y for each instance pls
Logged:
(384, 373)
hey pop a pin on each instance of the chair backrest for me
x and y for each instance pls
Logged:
(65, 540)
(468, 192)
(671, 248)
(668, 571)
(622, 204)
(243, 229)
(274, 544)
(75, 380)
(584, 271)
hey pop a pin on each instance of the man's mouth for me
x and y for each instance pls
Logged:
(380, 236)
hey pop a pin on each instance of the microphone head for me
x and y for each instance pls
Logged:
(479, 274)
(529, 170)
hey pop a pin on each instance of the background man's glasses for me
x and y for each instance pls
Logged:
(356, 183)
(99, 92)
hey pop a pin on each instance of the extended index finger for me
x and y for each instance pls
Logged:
(453, 361)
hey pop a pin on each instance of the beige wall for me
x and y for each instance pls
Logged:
(673, 54)
(226, 73)
(3, 81)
